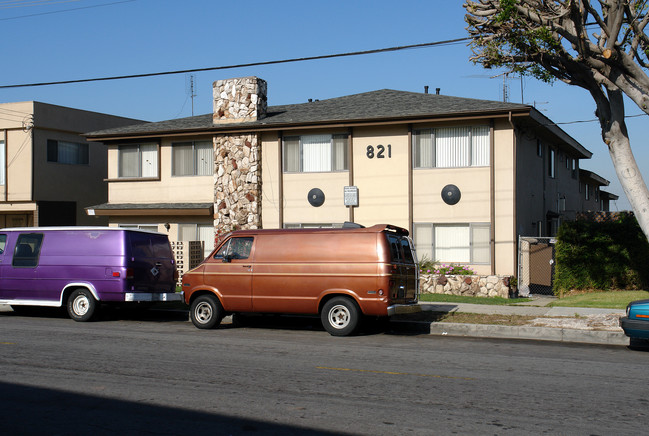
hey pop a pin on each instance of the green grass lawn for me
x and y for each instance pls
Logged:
(607, 300)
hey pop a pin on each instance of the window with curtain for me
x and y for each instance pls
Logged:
(70, 153)
(315, 153)
(192, 159)
(139, 160)
(451, 147)
(456, 243)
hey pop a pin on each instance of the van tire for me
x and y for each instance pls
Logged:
(206, 312)
(340, 316)
(82, 305)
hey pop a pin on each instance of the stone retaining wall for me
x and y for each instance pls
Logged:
(470, 286)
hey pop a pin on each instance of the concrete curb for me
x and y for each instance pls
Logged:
(600, 337)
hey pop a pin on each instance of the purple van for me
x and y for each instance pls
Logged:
(82, 267)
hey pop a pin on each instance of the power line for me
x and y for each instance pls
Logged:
(66, 10)
(28, 4)
(251, 64)
(591, 121)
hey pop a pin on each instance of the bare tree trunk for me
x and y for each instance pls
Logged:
(629, 174)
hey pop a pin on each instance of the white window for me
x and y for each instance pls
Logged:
(451, 147)
(138, 160)
(192, 159)
(147, 227)
(551, 163)
(313, 225)
(198, 232)
(70, 153)
(2, 162)
(457, 243)
(315, 153)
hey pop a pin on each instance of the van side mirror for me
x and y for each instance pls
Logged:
(227, 258)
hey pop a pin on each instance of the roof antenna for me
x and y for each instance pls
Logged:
(191, 89)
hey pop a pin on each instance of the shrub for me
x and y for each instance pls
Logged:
(603, 256)
(427, 266)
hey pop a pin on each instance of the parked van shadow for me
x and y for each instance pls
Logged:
(29, 410)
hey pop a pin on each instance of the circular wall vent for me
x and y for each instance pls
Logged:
(451, 194)
(316, 197)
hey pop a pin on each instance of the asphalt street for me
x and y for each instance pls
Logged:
(155, 373)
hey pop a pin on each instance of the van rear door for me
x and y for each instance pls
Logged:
(404, 268)
(151, 262)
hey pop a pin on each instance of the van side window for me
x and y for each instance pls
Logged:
(3, 243)
(395, 251)
(235, 248)
(28, 247)
(407, 252)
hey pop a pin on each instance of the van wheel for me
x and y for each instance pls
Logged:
(81, 305)
(206, 312)
(340, 316)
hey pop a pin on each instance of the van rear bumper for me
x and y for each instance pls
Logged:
(150, 296)
(398, 309)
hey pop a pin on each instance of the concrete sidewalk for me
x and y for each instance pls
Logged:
(563, 324)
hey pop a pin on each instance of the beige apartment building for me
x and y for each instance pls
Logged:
(49, 173)
(465, 176)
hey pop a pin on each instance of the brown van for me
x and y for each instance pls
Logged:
(340, 274)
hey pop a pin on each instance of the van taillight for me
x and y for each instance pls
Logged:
(130, 273)
(116, 274)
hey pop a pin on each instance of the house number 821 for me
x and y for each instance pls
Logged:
(380, 151)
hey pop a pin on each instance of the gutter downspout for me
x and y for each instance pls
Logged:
(515, 189)
(280, 180)
(411, 225)
(6, 164)
(492, 196)
(350, 166)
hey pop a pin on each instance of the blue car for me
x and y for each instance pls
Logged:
(636, 322)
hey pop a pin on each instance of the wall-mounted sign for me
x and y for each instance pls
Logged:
(351, 196)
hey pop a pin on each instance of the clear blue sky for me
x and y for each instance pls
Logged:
(55, 40)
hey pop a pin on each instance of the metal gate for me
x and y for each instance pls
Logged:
(535, 265)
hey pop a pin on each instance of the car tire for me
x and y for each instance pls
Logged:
(340, 316)
(206, 312)
(82, 306)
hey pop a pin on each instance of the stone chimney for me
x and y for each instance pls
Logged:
(239, 100)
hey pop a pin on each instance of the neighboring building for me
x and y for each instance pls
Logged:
(591, 194)
(466, 176)
(605, 199)
(48, 172)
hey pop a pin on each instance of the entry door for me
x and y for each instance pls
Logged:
(230, 272)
